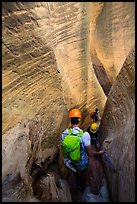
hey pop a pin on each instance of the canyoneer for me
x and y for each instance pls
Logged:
(95, 116)
(93, 130)
(76, 149)
(94, 135)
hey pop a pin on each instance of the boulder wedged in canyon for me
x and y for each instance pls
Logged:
(118, 132)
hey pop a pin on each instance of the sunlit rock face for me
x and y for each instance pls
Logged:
(39, 79)
(118, 132)
(31, 80)
(57, 56)
(112, 35)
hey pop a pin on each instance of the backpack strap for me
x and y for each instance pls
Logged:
(70, 131)
(79, 134)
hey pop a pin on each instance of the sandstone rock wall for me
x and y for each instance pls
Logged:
(118, 133)
(46, 63)
(31, 81)
(21, 146)
(112, 34)
(24, 167)
(56, 56)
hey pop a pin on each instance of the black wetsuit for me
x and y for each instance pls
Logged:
(94, 138)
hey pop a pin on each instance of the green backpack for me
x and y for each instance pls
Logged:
(71, 145)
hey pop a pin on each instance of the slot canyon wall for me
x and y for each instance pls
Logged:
(56, 56)
(118, 132)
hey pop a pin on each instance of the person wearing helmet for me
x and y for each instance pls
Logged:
(93, 131)
(86, 149)
(94, 127)
(95, 116)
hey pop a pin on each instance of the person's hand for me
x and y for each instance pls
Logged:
(101, 152)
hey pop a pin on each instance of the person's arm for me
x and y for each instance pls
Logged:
(91, 152)
(87, 143)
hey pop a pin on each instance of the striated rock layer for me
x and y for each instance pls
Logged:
(56, 56)
(112, 35)
(118, 133)
(46, 64)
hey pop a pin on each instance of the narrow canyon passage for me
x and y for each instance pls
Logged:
(39, 178)
(48, 184)
(57, 56)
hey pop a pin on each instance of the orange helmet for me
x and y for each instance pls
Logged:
(75, 113)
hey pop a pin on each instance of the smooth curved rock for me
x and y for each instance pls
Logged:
(112, 34)
(118, 133)
(56, 56)
(21, 147)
